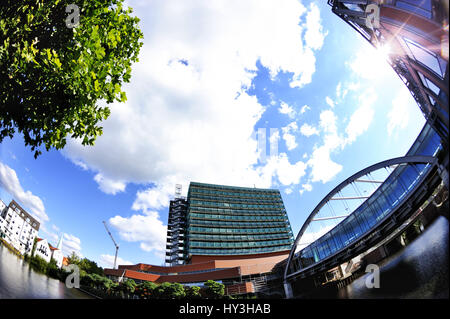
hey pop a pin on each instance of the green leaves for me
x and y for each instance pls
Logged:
(52, 77)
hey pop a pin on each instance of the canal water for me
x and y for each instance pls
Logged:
(19, 281)
(420, 271)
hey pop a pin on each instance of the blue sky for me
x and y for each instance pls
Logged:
(210, 77)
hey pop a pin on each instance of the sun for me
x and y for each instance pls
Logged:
(383, 52)
(372, 63)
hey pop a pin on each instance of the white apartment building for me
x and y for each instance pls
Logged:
(17, 227)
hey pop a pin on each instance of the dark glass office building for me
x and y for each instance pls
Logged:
(218, 220)
(225, 220)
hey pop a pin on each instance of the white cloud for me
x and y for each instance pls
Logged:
(71, 244)
(147, 229)
(343, 89)
(286, 109)
(304, 109)
(107, 261)
(339, 92)
(315, 34)
(399, 114)
(305, 187)
(288, 137)
(274, 137)
(80, 164)
(359, 122)
(323, 168)
(109, 186)
(371, 64)
(328, 121)
(290, 141)
(329, 101)
(202, 108)
(308, 130)
(153, 198)
(10, 182)
(362, 117)
(287, 173)
(52, 237)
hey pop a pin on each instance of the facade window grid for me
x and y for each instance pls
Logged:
(194, 216)
(203, 230)
(237, 210)
(238, 251)
(236, 199)
(236, 224)
(239, 237)
(251, 196)
(197, 244)
(195, 203)
(202, 210)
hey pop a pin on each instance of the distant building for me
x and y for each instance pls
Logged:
(57, 253)
(48, 252)
(43, 249)
(17, 227)
(233, 235)
(65, 261)
(235, 221)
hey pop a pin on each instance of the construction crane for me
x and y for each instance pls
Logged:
(115, 244)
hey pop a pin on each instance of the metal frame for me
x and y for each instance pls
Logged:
(398, 160)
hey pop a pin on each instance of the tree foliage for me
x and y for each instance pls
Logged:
(128, 286)
(145, 290)
(192, 292)
(168, 290)
(73, 258)
(213, 290)
(86, 266)
(52, 76)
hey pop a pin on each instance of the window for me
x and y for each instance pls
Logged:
(426, 57)
(427, 83)
(420, 7)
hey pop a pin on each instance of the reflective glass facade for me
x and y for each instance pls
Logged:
(415, 34)
(382, 202)
(226, 220)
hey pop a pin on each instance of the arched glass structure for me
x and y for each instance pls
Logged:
(374, 199)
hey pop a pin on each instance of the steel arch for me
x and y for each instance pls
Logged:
(393, 161)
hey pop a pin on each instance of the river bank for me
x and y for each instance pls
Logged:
(19, 281)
